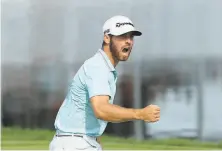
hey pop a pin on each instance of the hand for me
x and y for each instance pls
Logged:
(151, 113)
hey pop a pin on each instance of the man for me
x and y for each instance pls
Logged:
(88, 106)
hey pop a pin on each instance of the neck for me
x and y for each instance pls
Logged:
(112, 59)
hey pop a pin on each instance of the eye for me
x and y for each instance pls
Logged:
(131, 36)
(127, 35)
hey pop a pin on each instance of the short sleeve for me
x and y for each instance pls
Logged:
(97, 82)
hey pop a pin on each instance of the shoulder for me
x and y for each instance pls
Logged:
(95, 65)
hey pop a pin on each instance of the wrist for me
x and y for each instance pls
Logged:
(137, 114)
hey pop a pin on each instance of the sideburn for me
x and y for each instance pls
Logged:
(113, 48)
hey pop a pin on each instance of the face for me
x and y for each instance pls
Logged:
(121, 46)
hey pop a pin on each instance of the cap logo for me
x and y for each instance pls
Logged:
(124, 23)
(107, 31)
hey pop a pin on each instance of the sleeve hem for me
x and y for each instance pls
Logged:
(99, 94)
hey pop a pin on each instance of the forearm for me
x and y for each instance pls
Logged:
(115, 113)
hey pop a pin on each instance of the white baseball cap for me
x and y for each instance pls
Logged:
(118, 25)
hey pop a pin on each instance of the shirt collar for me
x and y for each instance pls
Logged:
(106, 59)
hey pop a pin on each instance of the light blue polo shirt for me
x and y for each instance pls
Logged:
(96, 76)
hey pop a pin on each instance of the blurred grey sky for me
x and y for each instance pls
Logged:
(71, 30)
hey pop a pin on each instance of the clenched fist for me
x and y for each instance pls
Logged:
(151, 113)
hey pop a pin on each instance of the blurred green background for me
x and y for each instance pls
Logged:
(28, 139)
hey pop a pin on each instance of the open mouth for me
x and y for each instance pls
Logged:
(126, 49)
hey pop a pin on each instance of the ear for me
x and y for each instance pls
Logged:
(106, 39)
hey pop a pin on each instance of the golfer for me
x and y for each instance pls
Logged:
(88, 106)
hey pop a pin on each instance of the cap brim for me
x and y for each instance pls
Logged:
(136, 33)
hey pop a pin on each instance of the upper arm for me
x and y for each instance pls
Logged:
(98, 102)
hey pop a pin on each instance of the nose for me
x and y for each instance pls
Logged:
(129, 40)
